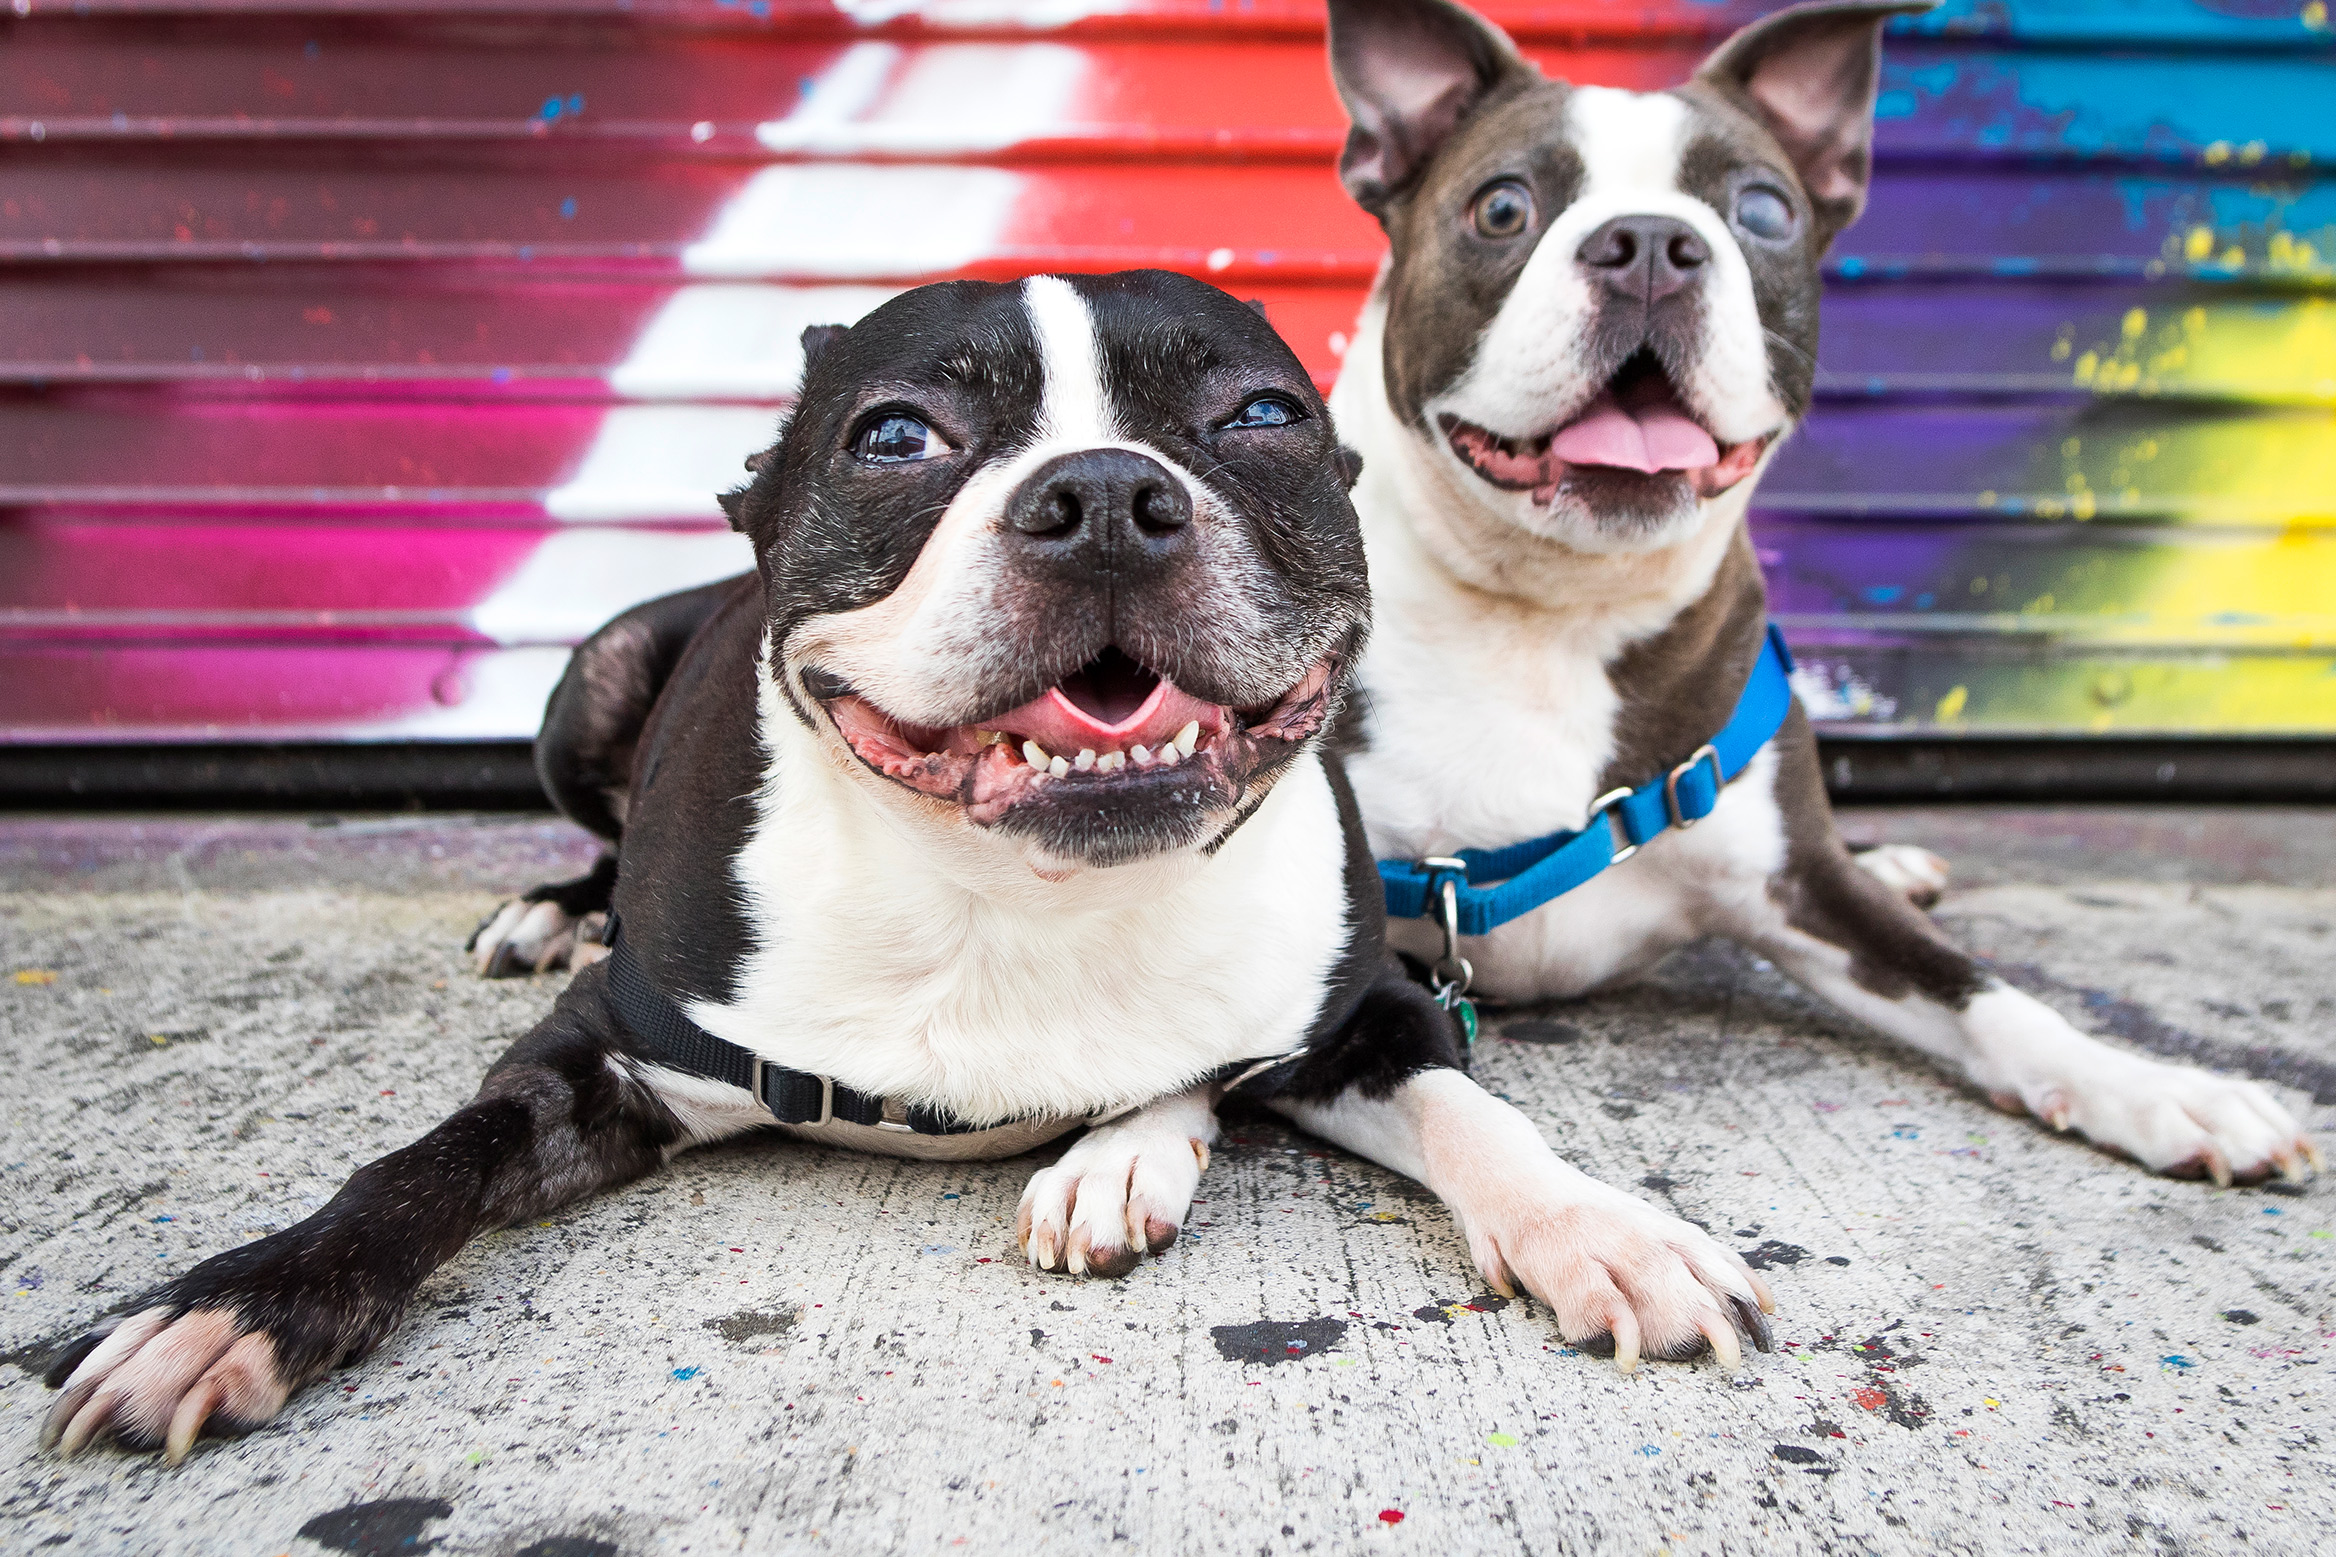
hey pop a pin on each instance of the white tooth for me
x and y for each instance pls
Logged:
(1058, 767)
(1111, 762)
(1188, 737)
(1143, 758)
(1085, 762)
(1034, 754)
(1170, 756)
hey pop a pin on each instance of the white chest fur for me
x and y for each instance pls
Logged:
(1491, 711)
(918, 962)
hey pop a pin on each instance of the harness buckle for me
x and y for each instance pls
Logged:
(1604, 806)
(1703, 753)
(1451, 974)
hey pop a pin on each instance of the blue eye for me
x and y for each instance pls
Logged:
(896, 439)
(1267, 411)
(1764, 213)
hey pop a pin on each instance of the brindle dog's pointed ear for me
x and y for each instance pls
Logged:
(1809, 74)
(817, 338)
(1408, 72)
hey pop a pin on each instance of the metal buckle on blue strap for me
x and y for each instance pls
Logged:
(1679, 818)
(1527, 875)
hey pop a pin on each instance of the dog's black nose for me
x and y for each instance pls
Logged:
(1103, 511)
(1645, 257)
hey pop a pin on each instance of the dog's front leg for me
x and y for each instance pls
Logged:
(1610, 1266)
(1123, 1189)
(225, 1345)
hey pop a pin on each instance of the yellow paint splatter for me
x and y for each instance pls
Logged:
(36, 975)
(1951, 706)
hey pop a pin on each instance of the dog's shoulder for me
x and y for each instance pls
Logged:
(698, 770)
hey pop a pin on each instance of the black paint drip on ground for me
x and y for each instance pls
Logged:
(1773, 1253)
(568, 1546)
(749, 1325)
(1269, 1342)
(2145, 1029)
(390, 1528)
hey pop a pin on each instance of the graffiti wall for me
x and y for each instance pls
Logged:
(357, 358)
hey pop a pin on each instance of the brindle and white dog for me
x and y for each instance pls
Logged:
(1597, 321)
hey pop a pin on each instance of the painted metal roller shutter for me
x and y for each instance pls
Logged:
(357, 358)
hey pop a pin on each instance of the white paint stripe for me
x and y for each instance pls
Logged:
(951, 97)
(732, 340)
(979, 13)
(662, 462)
(857, 222)
(1075, 410)
(578, 579)
(497, 694)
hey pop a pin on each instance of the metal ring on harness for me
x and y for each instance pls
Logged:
(1719, 779)
(1451, 974)
(1605, 805)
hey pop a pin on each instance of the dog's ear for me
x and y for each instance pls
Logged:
(817, 339)
(751, 505)
(1809, 74)
(1350, 466)
(1408, 72)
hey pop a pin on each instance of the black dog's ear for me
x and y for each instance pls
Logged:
(1257, 306)
(1408, 72)
(817, 338)
(750, 502)
(1809, 74)
(1350, 466)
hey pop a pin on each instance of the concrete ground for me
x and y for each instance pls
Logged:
(1991, 1339)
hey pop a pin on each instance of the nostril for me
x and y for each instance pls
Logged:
(1160, 510)
(1687, 251)
(1614, 249)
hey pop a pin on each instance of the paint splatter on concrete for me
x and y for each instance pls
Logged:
(1271, 1342)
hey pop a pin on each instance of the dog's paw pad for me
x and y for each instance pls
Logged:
(156, 1381)
(1625, 1280)
(2182, 1122)
(1916, 873)
(1114, 1197)
(523, 937)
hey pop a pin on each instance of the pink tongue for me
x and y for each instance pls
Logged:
(1060, 725)
(1644, 437)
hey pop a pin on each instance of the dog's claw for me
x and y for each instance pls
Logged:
(1755, 1323)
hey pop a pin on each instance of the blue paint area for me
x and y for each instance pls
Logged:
(2260, 23)
(2261, 110)
(685, 1374)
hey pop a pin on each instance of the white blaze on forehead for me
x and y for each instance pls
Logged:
(1629, 142)
(1075, 410)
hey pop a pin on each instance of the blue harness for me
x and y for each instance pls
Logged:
(1479, 890)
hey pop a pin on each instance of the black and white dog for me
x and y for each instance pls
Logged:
(1597, 320)
(994, 804)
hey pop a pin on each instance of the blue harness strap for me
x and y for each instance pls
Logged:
(1494, 886)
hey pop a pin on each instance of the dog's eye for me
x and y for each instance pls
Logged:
(1764, 213)
(1267, 411)
(897, 439)
(1504, 210)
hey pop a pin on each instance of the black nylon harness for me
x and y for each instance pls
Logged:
(669, 1038)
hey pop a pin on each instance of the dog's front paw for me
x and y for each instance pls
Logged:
(1916, 873)
(1615, 1270)
(1121, 1192)
(525, 937)
(219, 1350)
(2172, 1119)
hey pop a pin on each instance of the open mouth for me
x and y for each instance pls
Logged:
(1112, 728)
(1637, 424)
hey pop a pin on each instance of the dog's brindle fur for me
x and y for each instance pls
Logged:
(1533, 652)
(694, 734)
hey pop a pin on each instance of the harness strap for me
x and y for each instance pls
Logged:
(1494, 886)
(669, 1038)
